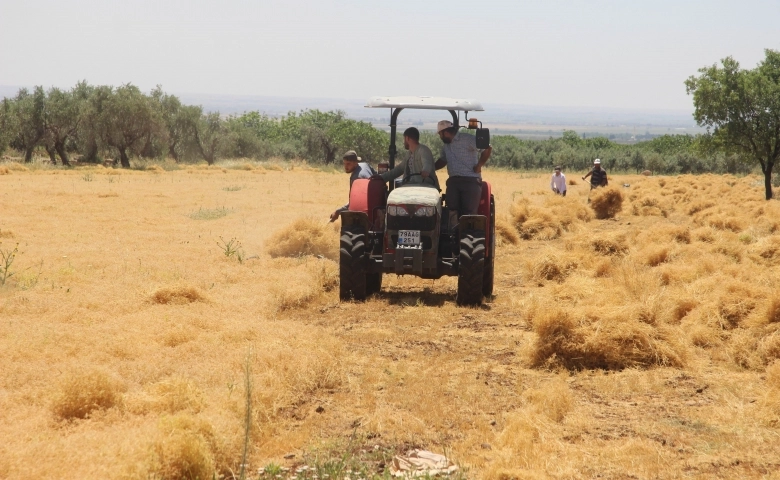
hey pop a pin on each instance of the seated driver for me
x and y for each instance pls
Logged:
(418, 167)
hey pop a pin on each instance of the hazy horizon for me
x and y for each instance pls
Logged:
(603, 53)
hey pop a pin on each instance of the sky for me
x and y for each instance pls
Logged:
(602, 53)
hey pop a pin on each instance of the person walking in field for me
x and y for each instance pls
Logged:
(558, 182)
(598, 176)
(356, 169)
(464, 165)
(418, 168)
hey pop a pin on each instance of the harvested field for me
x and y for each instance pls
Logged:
(642, 345)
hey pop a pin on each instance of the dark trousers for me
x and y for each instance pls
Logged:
(463, 194)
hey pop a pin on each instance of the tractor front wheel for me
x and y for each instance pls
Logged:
(373, 283)
(352, 265)
(471, 268)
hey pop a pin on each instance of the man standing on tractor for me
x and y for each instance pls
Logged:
(418, 168)
(598, 176)
(356, 169)
(464, 166)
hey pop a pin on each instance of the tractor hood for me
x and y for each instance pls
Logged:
(407, 195)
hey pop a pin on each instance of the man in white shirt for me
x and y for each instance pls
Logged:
(558, 182)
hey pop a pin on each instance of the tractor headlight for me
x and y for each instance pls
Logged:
(425, 212)
(397, 210)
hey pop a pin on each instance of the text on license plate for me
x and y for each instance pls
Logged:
(408, 237)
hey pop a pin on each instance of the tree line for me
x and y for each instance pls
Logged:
(96, 123)
(667, 154)
(100, 122)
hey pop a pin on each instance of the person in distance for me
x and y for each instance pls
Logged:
(598, 176)
(558, 182)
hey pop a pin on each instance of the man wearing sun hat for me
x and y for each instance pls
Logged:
(464, 166)
(598, 176)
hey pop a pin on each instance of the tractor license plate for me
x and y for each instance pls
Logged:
(408, 237)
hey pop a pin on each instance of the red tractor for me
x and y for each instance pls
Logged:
(410, 230)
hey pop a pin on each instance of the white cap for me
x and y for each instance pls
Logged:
(597, 162)
(443, 125)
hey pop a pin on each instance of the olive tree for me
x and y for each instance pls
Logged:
(741, 109)
(62, 114)
(125, 120)
(209, 135)
(179, 123)
(28, 112)
(7, 124)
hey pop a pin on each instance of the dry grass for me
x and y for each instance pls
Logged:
(606, 202)
(82, 393)
(305, 236)
(610, 244)
(557, 216)
(506, 234)
(638, 347)
(614, 342)
(773, 311)
(177, 296)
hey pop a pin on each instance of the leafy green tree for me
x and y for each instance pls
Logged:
(637, 161)
(370, 143)
(28, 111)
(571, 138)
(88, 135)
(741, 109)
(316, 130)
(126, 119)
(209, 136)
(8, 125)
(179, 122)
(62, 114)
(243, 139)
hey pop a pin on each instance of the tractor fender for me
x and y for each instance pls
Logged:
(367, 195)
(355, 219)
(472, 222)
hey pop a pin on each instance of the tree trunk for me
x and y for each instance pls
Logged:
(768, 179)
(92, 153)
(123, 158)
(172, 153)
(28, 154)
(60, 147)
(330, 155)
(52, 154)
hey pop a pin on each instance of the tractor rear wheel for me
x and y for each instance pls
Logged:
(352, 265)
(373, 283)
(471, 268)
(487, 279)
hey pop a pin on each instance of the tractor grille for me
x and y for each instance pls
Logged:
(411, 223)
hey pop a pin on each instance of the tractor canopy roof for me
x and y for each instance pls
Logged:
(427, 103)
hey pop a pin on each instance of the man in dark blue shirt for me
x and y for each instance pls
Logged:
(356, 169)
